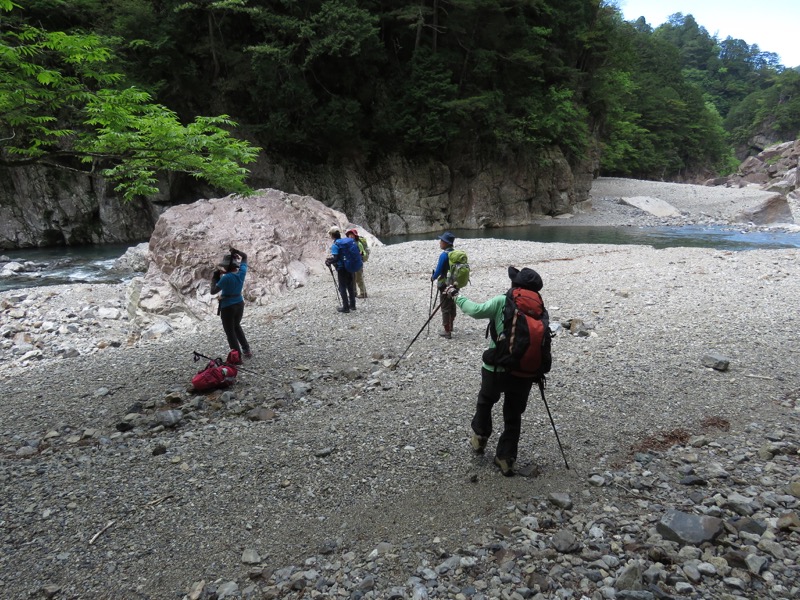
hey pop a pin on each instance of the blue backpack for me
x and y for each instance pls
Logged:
(351, 255)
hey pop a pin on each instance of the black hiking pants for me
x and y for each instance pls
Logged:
(515, 391)
(232, 324)
(347, 288)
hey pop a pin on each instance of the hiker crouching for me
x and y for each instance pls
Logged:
(229, 279)
(512, 363)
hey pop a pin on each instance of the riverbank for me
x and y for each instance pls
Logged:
(326, 473)
(696, 204)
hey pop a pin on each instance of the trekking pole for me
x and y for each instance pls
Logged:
(435, 310)
(430, 305)
(336, 286)
(541, 389)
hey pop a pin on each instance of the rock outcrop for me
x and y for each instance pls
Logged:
(48, 207)
(284, 236)
(774, 169)
(399, 196)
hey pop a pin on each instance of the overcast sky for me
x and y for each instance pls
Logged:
(773, 25)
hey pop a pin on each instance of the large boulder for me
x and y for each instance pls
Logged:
(775, 209)
(774, 169)
(284, 236)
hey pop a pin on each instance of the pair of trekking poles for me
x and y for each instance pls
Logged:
(336, 287)
(542, 382)
(198, 356)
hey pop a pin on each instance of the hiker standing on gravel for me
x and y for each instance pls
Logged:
(439, 275)
(363, 248)
(229, 279)
(347, 286)
(497, 381)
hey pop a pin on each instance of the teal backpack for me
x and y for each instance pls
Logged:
(458, 274)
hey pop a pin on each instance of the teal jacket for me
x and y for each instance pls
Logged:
(491, 309)
(230, 284)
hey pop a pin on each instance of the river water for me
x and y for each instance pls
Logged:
(93, 264)
(73, 264)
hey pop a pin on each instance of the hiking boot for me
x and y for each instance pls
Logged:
(446, 335)
(364, 295)
(248, 354)
(478, 443)
(352, 308)
(342, 310)
(506, 465)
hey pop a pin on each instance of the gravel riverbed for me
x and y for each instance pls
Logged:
(327, 473)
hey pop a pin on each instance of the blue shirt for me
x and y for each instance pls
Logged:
(231, 284)
(442, 266)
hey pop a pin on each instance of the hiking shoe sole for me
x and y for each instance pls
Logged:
(478, 443)
(506, 466)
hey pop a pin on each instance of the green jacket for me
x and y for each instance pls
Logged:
(491, 309)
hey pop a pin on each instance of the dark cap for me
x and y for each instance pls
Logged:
(447, 238)
(526, 278)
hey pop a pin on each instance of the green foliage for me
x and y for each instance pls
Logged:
(423, 114)
(321, 80)
(773, 111)
(554, 120)
(60, 105)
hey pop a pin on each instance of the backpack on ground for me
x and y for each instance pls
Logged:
(458, 273)
(350, 254)
(523, 348)
(216, 375)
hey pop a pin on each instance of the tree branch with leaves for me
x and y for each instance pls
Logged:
(61, 105)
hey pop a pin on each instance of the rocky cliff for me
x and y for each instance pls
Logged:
(42, 206)
(399, 196)
(47, 207)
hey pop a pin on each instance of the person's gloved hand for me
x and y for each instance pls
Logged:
(330, 261)
(451, 291)
(215, 277)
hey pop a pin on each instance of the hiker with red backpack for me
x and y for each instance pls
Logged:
(229, 279)
(518, 356)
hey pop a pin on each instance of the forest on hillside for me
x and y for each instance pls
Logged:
(126, 84)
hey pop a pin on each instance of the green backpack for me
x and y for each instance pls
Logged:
(458, 274)
(363, 247)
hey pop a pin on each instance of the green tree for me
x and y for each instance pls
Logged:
(60, 105)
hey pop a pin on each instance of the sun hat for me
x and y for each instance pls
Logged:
(526, 278)
(447, 238)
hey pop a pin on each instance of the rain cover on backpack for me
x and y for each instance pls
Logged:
(351, 255)
(523, 348)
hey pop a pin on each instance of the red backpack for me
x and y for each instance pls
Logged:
(523, 348)
(215, 375)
